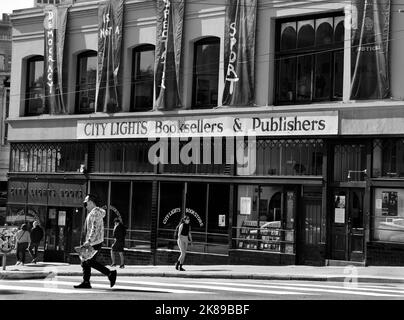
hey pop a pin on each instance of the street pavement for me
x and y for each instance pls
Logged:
(372, 274)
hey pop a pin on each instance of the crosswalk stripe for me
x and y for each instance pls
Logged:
(315, 288)
(212, 287)
(102, 286)
(43, 289)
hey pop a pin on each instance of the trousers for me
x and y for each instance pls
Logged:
(183, 245)
(93, 263)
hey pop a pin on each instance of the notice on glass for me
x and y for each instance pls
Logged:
(245, 205)
(378, 204)
(339, 215)
(389, 203)
(62, 218)
(222, 220)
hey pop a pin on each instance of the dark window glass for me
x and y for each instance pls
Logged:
(313, 69)
(86, 82)
(349, 162)
(35, 94)
(206, 73)
(142, 82)
(119, 206)
(139, 233)
(388, 158)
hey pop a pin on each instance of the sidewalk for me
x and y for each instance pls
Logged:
(293, 272)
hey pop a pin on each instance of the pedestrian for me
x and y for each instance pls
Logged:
(36, 237)
(119, 242)
(94, 236)
(184, 238)
(23, 240)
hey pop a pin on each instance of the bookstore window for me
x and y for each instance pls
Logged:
(86, 81)
(309, 59)
(388, 217)
(142, 78)
(35, 91)
(265, 221)
(388, 158)
(206, 73)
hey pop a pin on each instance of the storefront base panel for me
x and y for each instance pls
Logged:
(164, 257)
(245, 257)
(385, 254)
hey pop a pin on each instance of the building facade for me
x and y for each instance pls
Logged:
(292, 156)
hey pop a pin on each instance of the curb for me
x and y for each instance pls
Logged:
(21, 275)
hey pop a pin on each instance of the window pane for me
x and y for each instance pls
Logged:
(305, 37)
(323, 76)
(338, 74)
(324, 33)
(143, 72)
(206, 73)
(287, 79)
(87, 77)
(304, 73)
(288, 37)
(35, 87)
(349, 162)
(139, 232)
(339, 32)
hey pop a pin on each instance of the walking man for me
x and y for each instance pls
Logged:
(94, 237)
(36, 237)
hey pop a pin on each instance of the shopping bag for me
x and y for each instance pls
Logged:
(85, 252)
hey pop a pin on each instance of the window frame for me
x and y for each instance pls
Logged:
(204, 41)
(83, 55)
(314, 51)
(135, 80)
(28, 88)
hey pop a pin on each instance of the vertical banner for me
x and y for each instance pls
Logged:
(110, 16)
(370, 49)
(55, 29)
(170, 19)
(239, 55)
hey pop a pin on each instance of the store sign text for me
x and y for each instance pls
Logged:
(226, 126)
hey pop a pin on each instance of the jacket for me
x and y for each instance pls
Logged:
(22, 236)
(36, 234)
(119, 232)
(95, 226)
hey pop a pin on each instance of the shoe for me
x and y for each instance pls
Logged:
(181, 268)
(33, 261)
(122, 266)
(83, 285)
(112, 278)
(17, 263)
(113, 265)
(177, 265)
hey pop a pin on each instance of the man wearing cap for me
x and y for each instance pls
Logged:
(94, 237)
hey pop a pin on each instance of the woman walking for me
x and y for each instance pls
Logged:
(184, 238)
(23, 240)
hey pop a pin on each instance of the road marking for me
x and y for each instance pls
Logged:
(123, 287)
(44, 289)
(212, 287)
(309, 287)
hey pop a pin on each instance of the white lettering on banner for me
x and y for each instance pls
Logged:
(307, 124)
(164, 39)
(231, 74)
(106, 29)
(50, 25)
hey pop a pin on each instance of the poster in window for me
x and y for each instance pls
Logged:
(339, 209)
(62, 218)
(222, 220)
(389, 203)
(245, 205)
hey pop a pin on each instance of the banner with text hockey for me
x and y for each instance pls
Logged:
(239, 56)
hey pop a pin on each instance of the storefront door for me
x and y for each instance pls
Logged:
(347, 229)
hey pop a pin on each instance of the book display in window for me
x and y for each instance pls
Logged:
(267, 237)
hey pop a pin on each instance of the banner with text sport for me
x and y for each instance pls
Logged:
(110, 18)
(239, 56)
(370, 49)
(168, 59)
(55, 30)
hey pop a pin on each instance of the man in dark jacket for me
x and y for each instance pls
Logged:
(36, 237)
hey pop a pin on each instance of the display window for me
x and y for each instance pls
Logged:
(388, 219)
(265, 218)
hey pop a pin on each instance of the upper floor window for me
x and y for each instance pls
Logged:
(2, 62)
(206, 73)
(35, 92)
(142, 78)
(309, 59)
(86, 82)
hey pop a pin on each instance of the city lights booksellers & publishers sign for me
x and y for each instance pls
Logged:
(308, 124)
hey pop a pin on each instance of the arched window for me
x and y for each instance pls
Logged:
(142, 78)
(86, 81)
(35, 90)
(206, 73)
(309, 68)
